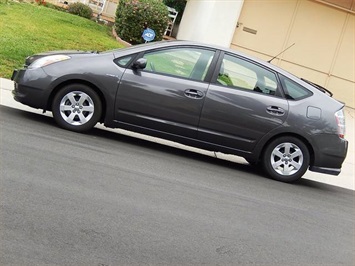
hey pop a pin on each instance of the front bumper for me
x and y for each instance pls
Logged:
(30, 87)
(14, 74)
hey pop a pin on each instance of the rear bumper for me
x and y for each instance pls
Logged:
(328, 159)
(323, 170)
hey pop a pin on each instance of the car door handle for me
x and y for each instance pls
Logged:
(194, 94)
(274, 110)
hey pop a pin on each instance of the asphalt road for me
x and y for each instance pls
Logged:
(108, 199)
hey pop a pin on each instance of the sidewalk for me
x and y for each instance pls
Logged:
(346, 179)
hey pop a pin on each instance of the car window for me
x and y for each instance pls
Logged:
(293, 90)
(124, 61)
(192, 63)
(237, 73)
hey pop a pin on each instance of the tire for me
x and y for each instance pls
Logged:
(286, 159)
(77, 107)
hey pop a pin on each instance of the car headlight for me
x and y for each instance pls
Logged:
(47, 60)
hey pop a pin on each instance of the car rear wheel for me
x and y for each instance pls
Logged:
(77, 107)
(286, 159)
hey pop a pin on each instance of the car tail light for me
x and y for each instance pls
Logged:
(340, 118)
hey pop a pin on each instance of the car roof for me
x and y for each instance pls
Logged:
(168, 43)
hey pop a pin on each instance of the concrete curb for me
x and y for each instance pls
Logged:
(346, 179)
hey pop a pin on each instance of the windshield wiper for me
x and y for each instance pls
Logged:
(319, 87)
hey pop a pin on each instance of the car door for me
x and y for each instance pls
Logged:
(168, 94)
(242, 105)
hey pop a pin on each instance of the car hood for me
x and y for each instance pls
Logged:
(32, 58)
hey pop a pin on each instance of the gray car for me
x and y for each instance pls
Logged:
(200, 95)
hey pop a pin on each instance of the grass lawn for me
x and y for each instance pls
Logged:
(26, 29)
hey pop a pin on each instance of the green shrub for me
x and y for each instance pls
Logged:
(132, 16)
(80, 9)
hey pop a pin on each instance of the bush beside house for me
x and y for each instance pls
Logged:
(132, 16)
(80, 9)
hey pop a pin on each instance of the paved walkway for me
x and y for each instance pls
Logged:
(346, 179)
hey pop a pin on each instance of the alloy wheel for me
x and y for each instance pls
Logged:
(286, 159)
(77, 108)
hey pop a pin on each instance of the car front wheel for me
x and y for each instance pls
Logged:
(77, 107)
(286, 159)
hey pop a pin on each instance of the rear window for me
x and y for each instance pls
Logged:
(241, 74)
(293, 90)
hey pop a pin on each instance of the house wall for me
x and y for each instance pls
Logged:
(110, 8)
(211, 21)
(323, 37)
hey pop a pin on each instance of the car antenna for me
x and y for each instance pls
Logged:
(281, 52)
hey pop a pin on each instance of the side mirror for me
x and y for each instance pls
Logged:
(141, 63)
